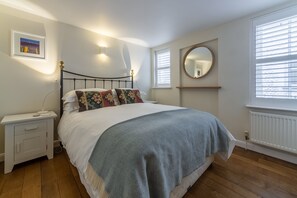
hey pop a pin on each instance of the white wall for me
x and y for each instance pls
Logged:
(233, 74)
(25, 82)
(202, 99)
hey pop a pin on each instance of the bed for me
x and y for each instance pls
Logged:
(136, 149)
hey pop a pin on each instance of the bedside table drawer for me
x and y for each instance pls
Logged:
(31, 127)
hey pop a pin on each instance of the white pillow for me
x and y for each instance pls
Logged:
(71, 106)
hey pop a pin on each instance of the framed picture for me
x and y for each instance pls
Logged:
(27, 45)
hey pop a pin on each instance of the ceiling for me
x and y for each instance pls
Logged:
(145, 22)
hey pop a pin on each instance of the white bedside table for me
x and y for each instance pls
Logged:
(27, 137)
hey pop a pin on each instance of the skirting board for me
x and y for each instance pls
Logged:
(289, 157)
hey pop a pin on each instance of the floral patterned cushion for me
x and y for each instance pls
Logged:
(128, 96)
(89, 100)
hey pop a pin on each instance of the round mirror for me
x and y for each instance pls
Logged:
(198, 61)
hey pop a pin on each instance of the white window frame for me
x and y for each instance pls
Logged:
(272, 103)
(156, 84)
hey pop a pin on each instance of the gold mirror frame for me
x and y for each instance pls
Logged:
(199, 72)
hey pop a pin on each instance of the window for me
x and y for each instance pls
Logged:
(275, 59)
(162, 68)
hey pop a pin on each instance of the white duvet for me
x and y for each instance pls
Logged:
(79, 131)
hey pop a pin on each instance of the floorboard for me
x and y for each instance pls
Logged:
(245, 174)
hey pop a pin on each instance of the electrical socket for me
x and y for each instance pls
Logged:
(246, 135)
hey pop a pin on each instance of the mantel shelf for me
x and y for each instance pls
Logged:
(198, 87)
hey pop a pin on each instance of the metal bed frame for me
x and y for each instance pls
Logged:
(87, 78)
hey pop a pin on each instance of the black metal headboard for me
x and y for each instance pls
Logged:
(86, 78)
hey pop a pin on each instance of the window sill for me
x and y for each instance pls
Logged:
(270, 108)
(161, 87)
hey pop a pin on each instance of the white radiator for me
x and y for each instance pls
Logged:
(274, 130)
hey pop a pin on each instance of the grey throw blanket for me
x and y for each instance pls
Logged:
(149, 155)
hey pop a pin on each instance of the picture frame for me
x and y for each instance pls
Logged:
(27, 45)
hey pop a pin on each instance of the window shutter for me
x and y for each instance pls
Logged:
(162, 68)
(275, 51)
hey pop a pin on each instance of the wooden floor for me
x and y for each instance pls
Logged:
(245, 174)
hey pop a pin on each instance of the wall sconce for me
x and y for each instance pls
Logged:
(102, 50)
